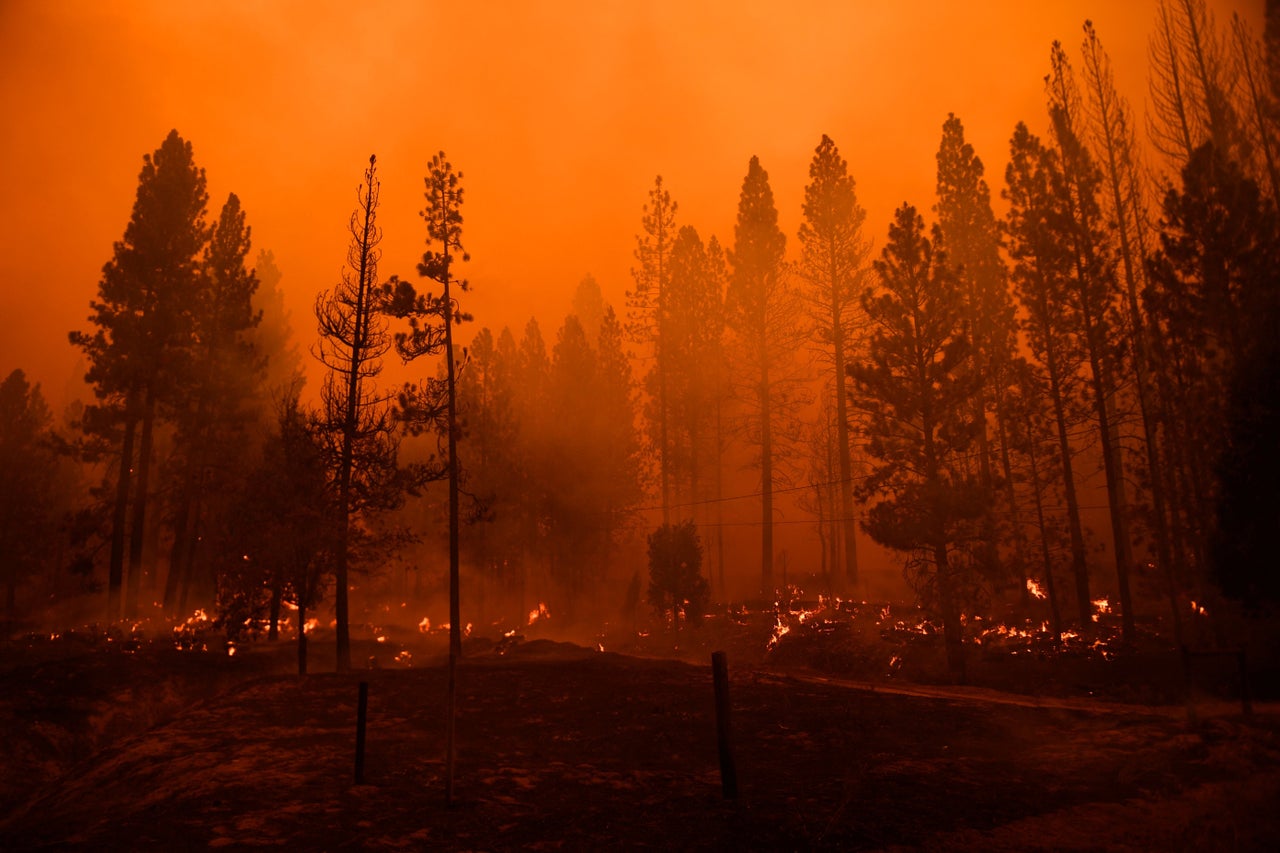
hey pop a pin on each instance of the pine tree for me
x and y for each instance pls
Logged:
(619, 474)
(833, 257)
(1107, 118)
(648, 313)
(356, 420)
(221, 396)
(916, 386)
(1213, 295)
(694, 329)
(28, 501)
(972, 238)
(1097, 300)
(763, 313)
(1042, 267)
(143, 319)
(273, 337)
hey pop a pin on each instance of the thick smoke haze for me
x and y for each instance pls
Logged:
(559, 114)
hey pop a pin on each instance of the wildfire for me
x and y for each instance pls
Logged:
(1037, 591)
(780, 630)
(1101, 605)
(540, 612)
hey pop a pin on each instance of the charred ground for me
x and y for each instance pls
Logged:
(139, 745)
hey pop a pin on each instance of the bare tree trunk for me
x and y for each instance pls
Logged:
(120, 517)
(1079, 566)
(766, 481)
(844, 452)
(1051, 587)
(178, 551)
(720, 498)
(1011, 495)
(139, 527)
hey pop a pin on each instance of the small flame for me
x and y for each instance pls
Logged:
(231, 649)
(1102, 605)
(1198, 609)
(780, 630)
(599, 647)
(310, 625)
(540, 612)
(381, 638)
(1037, 591)
(425, 625)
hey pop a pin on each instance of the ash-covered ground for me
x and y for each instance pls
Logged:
(134, 744)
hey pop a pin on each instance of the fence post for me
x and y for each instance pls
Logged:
(728, 772)
(361, 709)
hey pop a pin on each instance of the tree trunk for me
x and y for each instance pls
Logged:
(1100, 384)
(1051, 587)
(120, 517)
(952, 630)
(138, 530)
(1011, 495)
(766, 482)
(178, 551)
(843, 450)
(1079, 566)
(720, 499)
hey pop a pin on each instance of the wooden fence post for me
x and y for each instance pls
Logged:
(361, 715)
(728, 771)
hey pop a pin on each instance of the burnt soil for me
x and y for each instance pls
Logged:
(562, 747)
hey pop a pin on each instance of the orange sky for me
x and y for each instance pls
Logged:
(559, 114)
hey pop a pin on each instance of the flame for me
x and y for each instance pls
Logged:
(381, 638)
(780, 630)
(1102, 605)
(425, 625)
(1198, 609)
(405, 658)
(466, 632)
(231, 649)
(540, 612)
(310, 625)
(599, 647)
(1037, 591)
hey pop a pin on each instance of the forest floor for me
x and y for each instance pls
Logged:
(144, 747)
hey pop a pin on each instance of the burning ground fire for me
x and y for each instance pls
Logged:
(794, 619)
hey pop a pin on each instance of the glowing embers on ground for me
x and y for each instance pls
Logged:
(794, 621)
